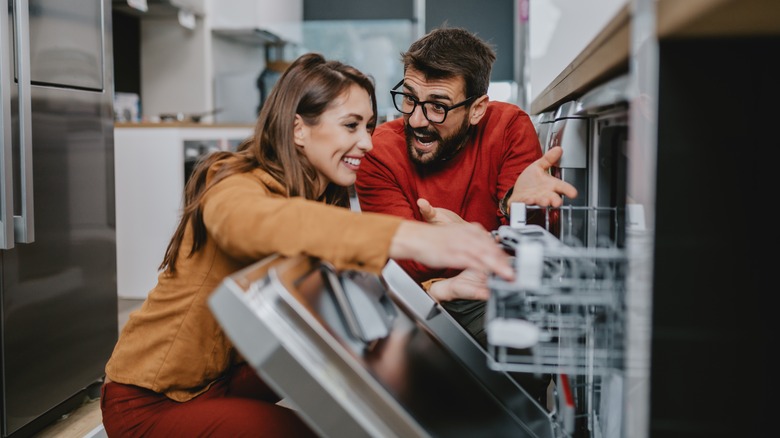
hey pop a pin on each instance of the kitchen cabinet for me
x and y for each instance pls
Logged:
(149, 166)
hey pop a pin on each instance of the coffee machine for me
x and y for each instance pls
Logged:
(275, 65)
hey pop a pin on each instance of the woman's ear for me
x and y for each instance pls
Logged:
(478, 109)
(300, 130)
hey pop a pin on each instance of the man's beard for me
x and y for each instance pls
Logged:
(445, 149)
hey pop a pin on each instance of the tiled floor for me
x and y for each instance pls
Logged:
(82, 422)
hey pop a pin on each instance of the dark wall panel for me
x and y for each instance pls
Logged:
(492, 20)
(127, 53)
(358, 10)
(713, 276)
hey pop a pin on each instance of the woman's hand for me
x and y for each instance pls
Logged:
(458, 246)
(468, 285)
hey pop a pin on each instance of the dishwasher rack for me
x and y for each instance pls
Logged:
(564, 314)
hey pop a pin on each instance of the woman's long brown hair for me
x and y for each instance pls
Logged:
(308, 87)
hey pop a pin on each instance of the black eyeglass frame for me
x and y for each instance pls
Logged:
(417, 102)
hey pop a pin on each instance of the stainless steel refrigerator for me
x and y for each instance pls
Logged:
(58, 258)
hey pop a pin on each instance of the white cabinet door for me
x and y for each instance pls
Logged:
(149, 172)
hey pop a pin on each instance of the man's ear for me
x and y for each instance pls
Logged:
(478, 109)
(300, 131)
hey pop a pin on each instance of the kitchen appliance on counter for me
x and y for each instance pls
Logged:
(275, 65)
(58, 301)
(358, 356)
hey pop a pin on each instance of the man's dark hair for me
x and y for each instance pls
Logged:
(449, 52)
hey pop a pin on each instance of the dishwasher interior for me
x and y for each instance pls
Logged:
(565, 313)
(367, 355)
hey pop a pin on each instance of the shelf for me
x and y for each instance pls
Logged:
(157, 9)
(254, 37)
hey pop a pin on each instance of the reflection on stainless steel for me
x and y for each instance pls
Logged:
(285, 320)
(58, 294)
(66, 43)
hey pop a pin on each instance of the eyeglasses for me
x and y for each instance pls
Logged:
(435, 112)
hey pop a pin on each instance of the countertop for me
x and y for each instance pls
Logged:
(607, 55)
(180, 125)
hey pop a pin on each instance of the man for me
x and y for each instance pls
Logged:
(455, 156)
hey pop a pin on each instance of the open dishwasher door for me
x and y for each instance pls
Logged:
(354, 360)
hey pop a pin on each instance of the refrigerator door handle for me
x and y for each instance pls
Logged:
(24, 227)
(6, 160)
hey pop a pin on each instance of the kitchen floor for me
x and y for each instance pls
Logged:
(86, 420)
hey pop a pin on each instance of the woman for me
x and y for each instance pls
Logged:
(173, 372)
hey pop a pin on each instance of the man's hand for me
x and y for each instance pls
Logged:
(468, 285)
(535, 186)
(436, 215)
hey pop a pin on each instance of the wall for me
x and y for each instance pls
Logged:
(236, 69)
(174, 67)
(493, 20)
(558, 31)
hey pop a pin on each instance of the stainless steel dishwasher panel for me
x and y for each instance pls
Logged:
(290, 319)
(543, 124)
(570, 131)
